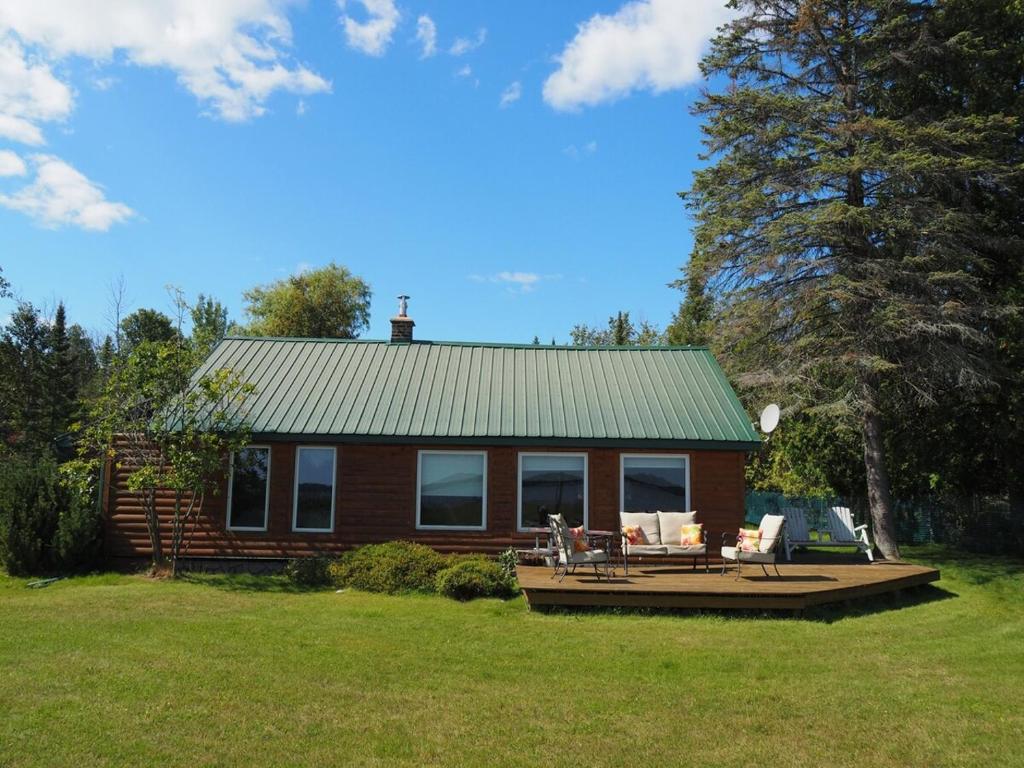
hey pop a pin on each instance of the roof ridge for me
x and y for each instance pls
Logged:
(488, 344)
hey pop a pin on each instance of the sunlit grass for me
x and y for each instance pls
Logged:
(242, 670)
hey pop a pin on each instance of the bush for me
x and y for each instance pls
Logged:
(78, 542)
(393, 568)
(31, 499)
(309, 571)
(472, 578)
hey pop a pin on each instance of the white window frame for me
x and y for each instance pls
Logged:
(295, 489)
(622, 473)
(558, 454)
(419, 487)
(266, 500)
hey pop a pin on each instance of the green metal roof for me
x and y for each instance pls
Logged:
(466, 392)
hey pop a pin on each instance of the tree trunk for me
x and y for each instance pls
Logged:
(153, 524)
(879, 493)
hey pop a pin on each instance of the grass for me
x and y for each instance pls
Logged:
(123, 670)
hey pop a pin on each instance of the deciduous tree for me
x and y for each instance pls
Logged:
(329, 302)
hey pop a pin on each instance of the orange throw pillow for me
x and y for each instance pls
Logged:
(691, 535)
(579, 540)
(749, 541)
(634, 534)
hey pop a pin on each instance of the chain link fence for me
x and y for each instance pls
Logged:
(976, 524)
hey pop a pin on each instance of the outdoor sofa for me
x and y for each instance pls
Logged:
(659, 534)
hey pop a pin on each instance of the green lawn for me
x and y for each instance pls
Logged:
(122, 670)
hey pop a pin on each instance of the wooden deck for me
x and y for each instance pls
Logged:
(801, 586)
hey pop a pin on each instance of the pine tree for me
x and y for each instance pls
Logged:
(61, 384)
(843, 227)
(692, 323)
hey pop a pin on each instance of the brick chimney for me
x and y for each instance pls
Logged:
(402, 324)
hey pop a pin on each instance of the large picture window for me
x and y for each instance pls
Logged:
(314, 489)
(655, 482)
(249, 489)
(552, 484)
(452, 490)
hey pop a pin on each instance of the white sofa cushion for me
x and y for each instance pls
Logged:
(734, 553)
(697, 549)
(648, 522)
(670, 524)
(646, 549)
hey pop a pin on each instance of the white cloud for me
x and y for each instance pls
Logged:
(464, 45)
(466, 71)
(11, 164)
(577, 152)
(60, 195)
(426, 34)
(650, 45)
(516, 282)
(373, 35)
(511, 94)
(104, 83)
(230, 54)
(29, 93)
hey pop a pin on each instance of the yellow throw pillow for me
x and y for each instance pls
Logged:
(749, 541)
(634, 534)
(691, 535)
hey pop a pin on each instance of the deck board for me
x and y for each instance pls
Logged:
(800, 586)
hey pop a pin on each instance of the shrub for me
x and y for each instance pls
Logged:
(472, 578)
(309, 571)
(78, 542)
(393, 567)
(31, 498)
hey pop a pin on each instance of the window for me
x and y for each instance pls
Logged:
(552, 484)
(314, 489)
(655, 482)
(452, 490)
(249, 489)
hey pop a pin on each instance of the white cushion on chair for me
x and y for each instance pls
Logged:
(771, 530)
(590, 556)
(648, 522)
(670, 524)
(729, 553)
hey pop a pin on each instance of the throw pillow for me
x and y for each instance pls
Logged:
(579, 540)
(691, 535)
(634, 534)
(749, 541)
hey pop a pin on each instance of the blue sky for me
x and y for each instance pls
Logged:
(516, 172)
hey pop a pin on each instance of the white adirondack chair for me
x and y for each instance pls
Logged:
(796, 533)
(843, 532)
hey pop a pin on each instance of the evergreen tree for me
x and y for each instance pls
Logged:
(620, 332)
(842, 274)
(23, 387)
(692, 323)
(61, 382)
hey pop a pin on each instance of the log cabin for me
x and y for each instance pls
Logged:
(463, 446)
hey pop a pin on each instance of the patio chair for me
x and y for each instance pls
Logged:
(568, 557)
(843, 532)
(797, 534)
(771, 529)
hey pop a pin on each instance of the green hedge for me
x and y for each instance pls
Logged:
(472, 578)
(392, 568)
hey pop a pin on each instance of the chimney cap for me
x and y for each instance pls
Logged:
(403, 305)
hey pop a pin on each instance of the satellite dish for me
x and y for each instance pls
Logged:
(769, 418)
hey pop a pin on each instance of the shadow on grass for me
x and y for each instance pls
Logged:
(249, 582)
(969, 567)
(827, 614)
